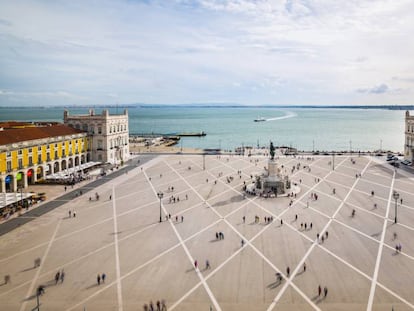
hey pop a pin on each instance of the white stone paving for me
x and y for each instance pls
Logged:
(103, 233)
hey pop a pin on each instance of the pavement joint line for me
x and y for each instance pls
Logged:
(52, 239)
(117, 265)
(402, 225)
(83, 256)
(338, 257)
(256, 250)
(147, 262)
(396, 295)
(379, 255)
(342, 223)
(218, 268)
(384, 244)
(77, 231)
(300, 264)
(200, 275)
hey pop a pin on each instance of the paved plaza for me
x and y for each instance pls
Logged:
(144, 260)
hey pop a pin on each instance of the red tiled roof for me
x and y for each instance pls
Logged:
(9, 136)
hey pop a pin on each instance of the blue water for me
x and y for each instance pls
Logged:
(227, 128)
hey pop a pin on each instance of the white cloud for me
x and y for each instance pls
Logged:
(190, 51)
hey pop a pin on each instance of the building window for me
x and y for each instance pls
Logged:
(39, 148)
(20, 151)
(20, 163)
(48, 156)
(99, 129)
(92, 129)
(55, 145)
(8, 154)
(30, 161)
(30, 150)
(9, 167)
(100, 144)
(78, 126)
(85, 127)
(56, 154)
(99, 157)
(39, 159)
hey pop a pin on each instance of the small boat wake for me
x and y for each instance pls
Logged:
(288, 115)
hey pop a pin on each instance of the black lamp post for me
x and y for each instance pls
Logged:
(395, 195)
(160, 195)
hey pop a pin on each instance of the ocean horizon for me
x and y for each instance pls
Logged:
(306, 128)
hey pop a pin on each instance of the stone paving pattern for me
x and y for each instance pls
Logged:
(146, 260)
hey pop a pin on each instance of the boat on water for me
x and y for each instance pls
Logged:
(261, 119)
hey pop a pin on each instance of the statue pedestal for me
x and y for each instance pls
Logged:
(272, 169)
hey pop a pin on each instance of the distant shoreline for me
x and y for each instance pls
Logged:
(384, 107)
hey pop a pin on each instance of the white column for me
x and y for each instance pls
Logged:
(25, 180)
(3, 184)
(14, 182)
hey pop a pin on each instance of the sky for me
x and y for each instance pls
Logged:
(247, 52)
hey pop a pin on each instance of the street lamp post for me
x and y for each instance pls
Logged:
(333, 161)
(160, 195)
(395, 195)
(21, 196)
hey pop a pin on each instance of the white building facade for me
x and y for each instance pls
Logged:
(108, 134)
(409, 137)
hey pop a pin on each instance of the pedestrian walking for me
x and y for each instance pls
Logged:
(57, 277)
(110, 197)
(207, 264)
(296, 217)
(306, 226)
(317, 236)
(182, 218)
(6, 279)
(40, 290)
(304, 267)
(281, 222)
(103, 277)
(319, 290)
(311, 225)
(70, 213)
(325, 291)
(37, 262)
(158, 305)
(195, 264)
(62, 276)
(326, 234)
(242, 243)
(244, 219)
(217, 235)
(98, 279)
(288, 271)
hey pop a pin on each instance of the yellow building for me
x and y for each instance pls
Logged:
(30, 152)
